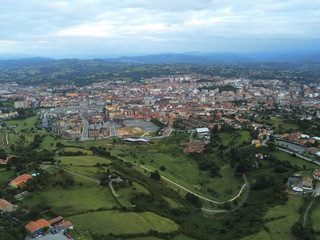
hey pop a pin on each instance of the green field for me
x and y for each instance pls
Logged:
(282, 156)
(74, 150)
(84, 160)
(23, 124)
(78, 199)
(185, 172)
(280, 228)
(280, 124)
(116, 222)
(315, 217)
(126, 193)
(5, 175)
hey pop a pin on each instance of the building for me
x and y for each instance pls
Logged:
(36, 228)
(6, 206)
(21, 180)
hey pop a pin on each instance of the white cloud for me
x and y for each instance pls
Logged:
(158, 25)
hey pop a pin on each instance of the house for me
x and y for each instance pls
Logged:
(316, 174)
(307, 183)
(197, 147)
(21, 180)
(56, 221)
(202, 131)
(256, 143)
(36, 228)
(293, 180)
(6, 206)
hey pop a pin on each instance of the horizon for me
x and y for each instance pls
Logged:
(60, 29)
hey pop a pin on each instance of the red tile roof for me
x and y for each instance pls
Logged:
(33, 226)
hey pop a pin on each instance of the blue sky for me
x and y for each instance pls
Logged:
(124, 27)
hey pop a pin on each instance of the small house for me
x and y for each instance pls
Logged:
(36, 228)
(6, 206)
(21, 180)
(316, 174)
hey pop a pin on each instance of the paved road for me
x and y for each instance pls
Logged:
(85, 129)
(291, 146)
(112, 128)
(264, 142)
(299, 156)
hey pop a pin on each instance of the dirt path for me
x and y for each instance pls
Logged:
(203, 198)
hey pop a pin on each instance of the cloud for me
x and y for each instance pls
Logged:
(158, 25)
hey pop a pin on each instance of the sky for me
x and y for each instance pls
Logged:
(68, 28)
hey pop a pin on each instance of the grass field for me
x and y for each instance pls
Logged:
(5, 175)
(83, 160)
(127, 192)
(280, 124)
(116, 222)
(78, 199)
(74, 149)
(244, 137)
(315, 217)
(282, 156)
(23, 124)
(280, 228)
(186, 173)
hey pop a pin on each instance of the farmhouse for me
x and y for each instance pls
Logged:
(6, 206)
(197, 147)
(21, 180)
(316, 174)
(35, 228)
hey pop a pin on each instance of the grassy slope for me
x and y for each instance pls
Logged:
(315, 217)
(5, 175)
(282, 156)
(83, 160)
(117, 222)
(281, 228)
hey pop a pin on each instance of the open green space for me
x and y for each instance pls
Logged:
(85, 160)
(315, 217)
(116, 222)
(279, 124)
(89, 171)
(126, 193)
(5, 175)
(75, 150)
(23, 124)
(185, 172)
(78, 199)
(282, 156)
(285, 216)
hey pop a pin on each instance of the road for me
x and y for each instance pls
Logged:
(112, 128)
(243, 200)
(299, 156)
(85, 129)
(291, 146)
(264, 142)
(83, 176)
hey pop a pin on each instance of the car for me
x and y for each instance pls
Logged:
(69, 237)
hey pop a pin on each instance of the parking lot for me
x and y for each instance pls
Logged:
(49, 236)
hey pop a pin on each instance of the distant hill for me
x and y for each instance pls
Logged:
(181, 58)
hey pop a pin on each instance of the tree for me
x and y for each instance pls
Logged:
(194, 200)
(155, 175)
